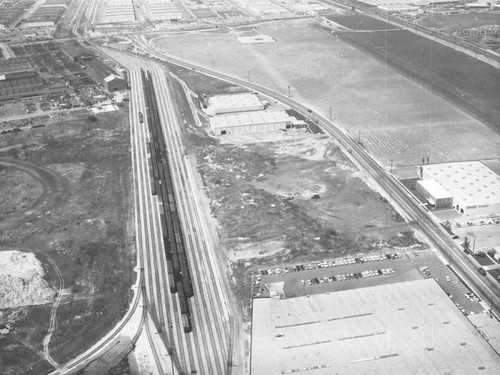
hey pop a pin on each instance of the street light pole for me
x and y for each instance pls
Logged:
(391, 166)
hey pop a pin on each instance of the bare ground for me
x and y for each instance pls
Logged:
(81, 220)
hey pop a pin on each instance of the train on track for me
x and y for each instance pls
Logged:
(179, 275)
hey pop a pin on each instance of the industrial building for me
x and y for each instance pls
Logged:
(252, 122)
(76, 52)
(114, 83)
(220, 104)
(435, 195)
(410, 327)
(475, 188)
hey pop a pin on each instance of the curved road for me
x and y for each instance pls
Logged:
(486, 287)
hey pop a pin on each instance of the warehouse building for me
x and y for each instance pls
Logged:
(114, 83)
(234, 103)
(76, 52)
(435, 195)
(475, 188)
(410, 327)
(252, 122)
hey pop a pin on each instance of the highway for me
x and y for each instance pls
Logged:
(206, 349)
(486, 287)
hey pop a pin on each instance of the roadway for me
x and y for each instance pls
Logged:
(207, 347)
(486, 287)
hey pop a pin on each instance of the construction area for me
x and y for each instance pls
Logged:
(397, 328)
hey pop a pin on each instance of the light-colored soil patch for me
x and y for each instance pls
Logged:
(21, 281)
(398, 119)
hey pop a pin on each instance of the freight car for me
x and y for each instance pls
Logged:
(179, 276)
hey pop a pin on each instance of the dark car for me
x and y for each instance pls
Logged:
(481, 271)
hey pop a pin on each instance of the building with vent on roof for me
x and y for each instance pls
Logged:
(220, 104)
(475, 188)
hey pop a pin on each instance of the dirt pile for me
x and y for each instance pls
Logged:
(21, 281)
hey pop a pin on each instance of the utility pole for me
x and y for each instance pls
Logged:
(391, 166)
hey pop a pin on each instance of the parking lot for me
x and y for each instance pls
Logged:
(338, 275)
(352, 273)
(447, 280)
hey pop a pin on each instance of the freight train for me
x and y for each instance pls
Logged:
(179, 274)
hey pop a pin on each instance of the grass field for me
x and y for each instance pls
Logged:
(398, 118)
(472, 84)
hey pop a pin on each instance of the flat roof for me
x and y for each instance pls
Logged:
(235, 101)
(436, 190)
(250, 118)
(471, 183)
(411, 327)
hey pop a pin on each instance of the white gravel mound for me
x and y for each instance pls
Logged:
(21, 280)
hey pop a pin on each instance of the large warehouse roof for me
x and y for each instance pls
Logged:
(436, 190)
(235, 103)
(402, 328)
(471, 183)
(250, 118)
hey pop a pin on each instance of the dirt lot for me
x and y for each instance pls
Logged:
(398, 119)
(68, 199)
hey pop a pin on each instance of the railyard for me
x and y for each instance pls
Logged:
(293, 212)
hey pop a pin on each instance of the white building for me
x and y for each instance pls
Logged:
(435, 194)
(251, 122)
(234, 103)
(475, 188)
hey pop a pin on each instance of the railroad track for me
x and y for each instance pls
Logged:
(486, 287)
(205, 350)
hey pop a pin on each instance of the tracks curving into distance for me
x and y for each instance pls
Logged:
(205, 349)
(485, 287)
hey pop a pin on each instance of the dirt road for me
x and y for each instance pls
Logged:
(55, 191)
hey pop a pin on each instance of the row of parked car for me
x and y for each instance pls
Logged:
(349, 276)
(331, 263)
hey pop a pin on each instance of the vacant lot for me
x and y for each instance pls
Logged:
(398, 118)
(262, 195)
(361, 22)
(472, 84)
(75, 210)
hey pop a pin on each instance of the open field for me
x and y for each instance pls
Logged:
(398, 119)
(361, 22)
(75, 211)
(472, 84)
(454, 22)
